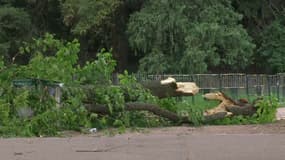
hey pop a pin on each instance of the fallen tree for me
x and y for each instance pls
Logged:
(137, 106)
(246, 110)
(240, 107)
(170, 88)
(157, 110)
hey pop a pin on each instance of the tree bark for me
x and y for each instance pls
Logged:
(246, 110)
(137, 106)
(215, 116)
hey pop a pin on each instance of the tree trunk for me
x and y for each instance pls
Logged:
(246, 110)
(137, 106)
(215, 116)
(171, 88)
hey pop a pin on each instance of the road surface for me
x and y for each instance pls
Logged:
(254, 142)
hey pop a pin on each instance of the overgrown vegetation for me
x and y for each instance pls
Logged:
(32, 111)
(266, 113)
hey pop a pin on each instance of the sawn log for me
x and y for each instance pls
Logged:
(170, 88)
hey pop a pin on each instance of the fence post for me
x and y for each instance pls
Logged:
(281, 85)
(192, 80)
(246, 86)
(269, 86)
(277, 87)
(220, 82)
(193, 100)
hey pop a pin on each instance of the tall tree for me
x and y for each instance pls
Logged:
(91, 21)
(101, 24)
(272, 48)
(261, 18)
(15, 25)
(258, 14)
(48, 16)
(197, 35)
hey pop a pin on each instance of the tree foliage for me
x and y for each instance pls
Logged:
(166, 36)
(15, 25)
(51, 59)
(194, 34)
(200, 36)
(88, 16)
(32, 111)
(272, 48)
(259, 19)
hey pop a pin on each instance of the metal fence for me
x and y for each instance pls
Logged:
(236, 84)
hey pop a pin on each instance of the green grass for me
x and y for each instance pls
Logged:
(199, 101)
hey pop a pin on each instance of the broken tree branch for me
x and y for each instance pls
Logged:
(138, 106)
(170, 88)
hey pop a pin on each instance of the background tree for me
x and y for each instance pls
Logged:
(15, 27)
(261, 20)
(196, 35)
(272, 48)
(94, 22)
(101, 24)
(200, 36)
(48, 16)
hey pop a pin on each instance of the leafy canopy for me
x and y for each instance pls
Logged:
(194, 34)
(272, 48)
(15, 25)
(51, 59)
(88, 15)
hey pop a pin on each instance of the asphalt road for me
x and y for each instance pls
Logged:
(240, 142)
(151, 146)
